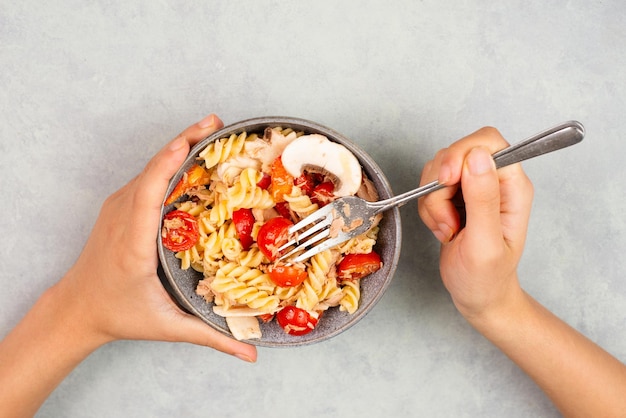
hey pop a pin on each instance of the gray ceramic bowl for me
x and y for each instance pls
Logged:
(182, 283)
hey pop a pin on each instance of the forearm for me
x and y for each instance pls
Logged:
(49, 342)
(580, 378)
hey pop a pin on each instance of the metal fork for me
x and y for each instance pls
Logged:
(350, 216)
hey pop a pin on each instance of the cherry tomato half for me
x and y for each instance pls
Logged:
(287, 276)
(356, 266)
(272, 235)
(180, 231)
(296, 321)
(244, 221)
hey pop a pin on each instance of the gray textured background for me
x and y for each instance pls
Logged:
(91, 90)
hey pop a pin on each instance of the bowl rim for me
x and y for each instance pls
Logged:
(171, 284)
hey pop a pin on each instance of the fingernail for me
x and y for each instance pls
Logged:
(444, 233)
(207, 122)
(479, 161)
(178, 143)
(440, 236)
(444, 174)
(244, 357)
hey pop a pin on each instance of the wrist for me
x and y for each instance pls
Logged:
(496, 318)
(72, 315)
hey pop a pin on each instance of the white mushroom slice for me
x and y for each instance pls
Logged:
(244, 327)
(317, 153)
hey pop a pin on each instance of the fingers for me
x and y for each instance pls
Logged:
(438, 210)
(192, 330)
(452, 160)
(202, 129)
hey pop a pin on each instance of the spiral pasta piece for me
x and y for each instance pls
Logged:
(231, 248)
(330, 295)
(185, 259)
(257, 198)
(191, 258)
(287, 295)
(215, 243)
(221, 149)
(192, 208)
(312, 287)
(233, 282)
(220, 212)
(252, 258)
(351, 291)
(318, 269)
(360, 244)
(245, 193)
(300, 203)
(307, 297)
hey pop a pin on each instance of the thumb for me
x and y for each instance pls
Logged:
(155, 177)
(481, 192)
(190, 329)
(150, 185)
(161, 168)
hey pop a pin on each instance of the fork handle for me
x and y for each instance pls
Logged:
(553, 139)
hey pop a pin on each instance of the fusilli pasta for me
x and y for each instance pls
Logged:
(300, 203)
(222, 149)
(351, 294)
(244, 285)
(240, 279)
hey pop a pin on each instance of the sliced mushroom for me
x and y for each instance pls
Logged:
(244, 327)
(317, 153)
(241, 321)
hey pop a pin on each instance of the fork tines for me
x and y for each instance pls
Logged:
(319, 221)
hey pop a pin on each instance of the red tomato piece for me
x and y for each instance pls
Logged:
(323, 194)
(266, 317)
(283, 209)
(265, 181)
(287, 276)
(356, 266)
(306, 182)
(281, 182)
(244, 221)
(272, 235)
(180, 231)
(296, 321)
(195, 176)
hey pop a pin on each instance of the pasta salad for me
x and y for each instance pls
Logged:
(232, 210)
